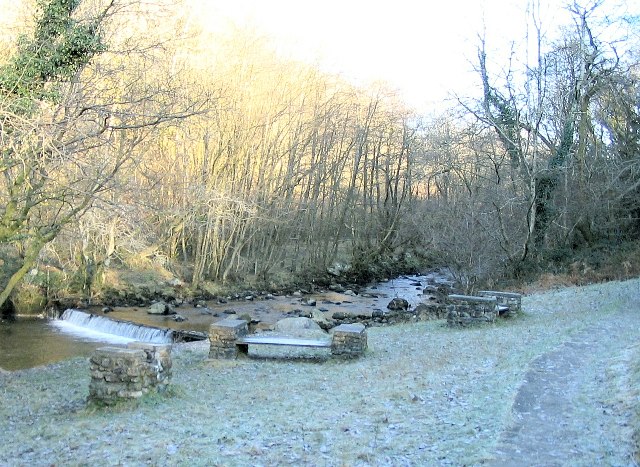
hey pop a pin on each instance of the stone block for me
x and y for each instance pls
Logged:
(466, 310)
(223, 335)
(128, 373)
(159, 357)
(349, 340)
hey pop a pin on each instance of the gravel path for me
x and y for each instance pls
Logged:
(559, 385)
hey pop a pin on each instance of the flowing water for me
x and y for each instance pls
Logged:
(30, 342)
(83, 324)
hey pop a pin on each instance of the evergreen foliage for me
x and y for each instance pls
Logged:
(59, 48)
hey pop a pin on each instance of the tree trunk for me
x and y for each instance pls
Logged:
(30, 257)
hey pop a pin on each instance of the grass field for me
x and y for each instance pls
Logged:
(423, 394)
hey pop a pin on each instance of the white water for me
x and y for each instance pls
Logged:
(93, 327)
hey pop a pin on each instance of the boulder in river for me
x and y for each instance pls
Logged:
(398, 304)
(321, 320)
(298, 327)
(340, 315)
(161, 308)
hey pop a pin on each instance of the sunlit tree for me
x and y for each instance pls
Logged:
(72, 115)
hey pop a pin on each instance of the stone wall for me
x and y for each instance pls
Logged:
(465, 310)
(423, 312)
(119, 373)
(349, 340)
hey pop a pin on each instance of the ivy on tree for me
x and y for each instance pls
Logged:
(59, 48)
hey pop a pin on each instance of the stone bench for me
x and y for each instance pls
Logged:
(228, 339)
(509, 303)
(466, 310)
(119, 373)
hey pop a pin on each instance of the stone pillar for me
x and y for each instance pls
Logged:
(349, 340)
(465, 310)
(116, 373)
(128, 373)
(511, 300)
(223, 335)
(158, 358)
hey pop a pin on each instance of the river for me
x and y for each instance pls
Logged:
(31, 342)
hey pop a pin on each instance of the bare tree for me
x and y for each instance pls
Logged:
(72, 116)
(546, 128)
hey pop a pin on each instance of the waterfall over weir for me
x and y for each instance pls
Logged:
(76, 321)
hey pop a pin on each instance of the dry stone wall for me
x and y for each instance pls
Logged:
(119, 373)
(349, 340)
(223, 335)
(465, 310)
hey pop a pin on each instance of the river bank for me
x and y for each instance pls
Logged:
(424, 394)
(27, 342)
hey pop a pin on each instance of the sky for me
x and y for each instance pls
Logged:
(423, 48)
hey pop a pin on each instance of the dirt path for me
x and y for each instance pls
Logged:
(592, 370)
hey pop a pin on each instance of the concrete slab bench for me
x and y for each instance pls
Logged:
(276, 340)
(228, 339)
(509, 303)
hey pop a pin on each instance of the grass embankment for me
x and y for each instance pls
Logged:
(424, 394)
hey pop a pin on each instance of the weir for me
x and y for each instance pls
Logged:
(124, 329)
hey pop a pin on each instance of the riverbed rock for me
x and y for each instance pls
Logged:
(246, 317)
(298, 327)
(158, 308)
(398, 304)
(340, 315)
(321, 320)
(377, 314)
